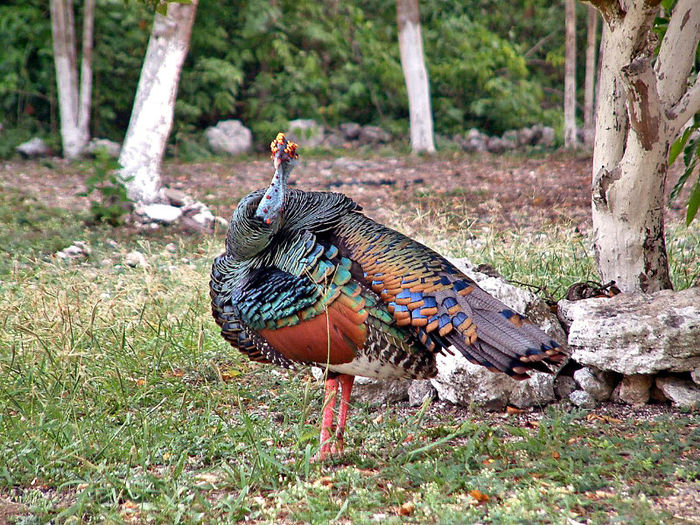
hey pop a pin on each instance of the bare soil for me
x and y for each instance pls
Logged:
(504, 191)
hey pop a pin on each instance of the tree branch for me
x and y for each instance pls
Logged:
(643, 103)
(687, 106)
(677, 52)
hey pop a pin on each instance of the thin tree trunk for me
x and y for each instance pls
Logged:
(570, 140)
(416, 76)
(152, 116)
(640, 112)
(65, 61)
(589, 86)
(86, 71)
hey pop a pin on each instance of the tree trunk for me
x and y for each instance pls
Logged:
(570, 140)
(640, 112)
(152, 115)
(74, 107)
(416, 75)
(589, 86)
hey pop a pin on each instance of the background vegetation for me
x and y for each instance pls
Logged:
(266, 63)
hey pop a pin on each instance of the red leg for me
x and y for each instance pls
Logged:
(327, 419)
(346, 382)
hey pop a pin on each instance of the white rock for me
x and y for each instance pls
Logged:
(135, 259)
(35, 147)
(419, 391)
(111, 148)
(77, 250)
(463, 383)
(306, 132)
(682, 392)
(536, 391)
(635, 389)
(163, 213)
(597, 383)
(636, 334)
(582, 399)
(547, 138)
(229, 136)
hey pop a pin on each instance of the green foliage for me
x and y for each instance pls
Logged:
(691, 153)
(269, 63)
(113, 202)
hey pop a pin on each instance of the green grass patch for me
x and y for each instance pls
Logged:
(119, 401)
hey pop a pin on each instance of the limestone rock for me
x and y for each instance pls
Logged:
(33, 148)
(635, 389)
(350, 130)
(597, 383)
(380, 392)
(695, 376)
(419, 391)
(229, 136)
(682, 392)
(111, 148)
(306, 132)
(160, 213)
(636, 334)
(547, 138)
(177, 197)
(76, 251)
(582, 399)
(135, 259)
(563, 386)
(373, 135)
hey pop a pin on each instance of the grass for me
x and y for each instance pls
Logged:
(119, 402)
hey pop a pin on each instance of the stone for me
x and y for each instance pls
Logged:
(597, 383)
(636, 333)
(695, 376)
(537, 391)
(563, 386)
(635, 389)
(526, 137)
(76, 251)
(229, 136)
(177, 198)
(683, 393)
(333, 139)
(135, 259)
(373, 135)
(582, 399)
(463, 383)
(350, 130)
(160, 213)
(111, 148)
(419, 391)
(33, 148)
(547, 139)
(306, 132)
(380, 392)
(496, 145)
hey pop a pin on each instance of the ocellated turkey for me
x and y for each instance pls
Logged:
(307, 278)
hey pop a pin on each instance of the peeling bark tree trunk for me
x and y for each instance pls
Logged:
(74, 105)
(589, 86)
(570, 139)
(152, 116)
(413, 64)
(643, 103)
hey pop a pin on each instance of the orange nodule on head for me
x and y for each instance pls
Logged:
(281, 146)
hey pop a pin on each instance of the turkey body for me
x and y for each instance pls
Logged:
(316, 282)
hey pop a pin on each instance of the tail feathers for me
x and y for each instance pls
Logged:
(508, 342)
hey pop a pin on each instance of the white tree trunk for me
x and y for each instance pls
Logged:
(570, 140)
(640, 112)
(152, 116)
(416, 76)
(589, 86)
(75, 127)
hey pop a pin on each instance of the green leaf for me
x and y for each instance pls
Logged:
(693, 203)
(679, 144)
(667, 4)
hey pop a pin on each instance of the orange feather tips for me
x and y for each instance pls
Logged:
(284, 149)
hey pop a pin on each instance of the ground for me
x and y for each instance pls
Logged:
(124, 404)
